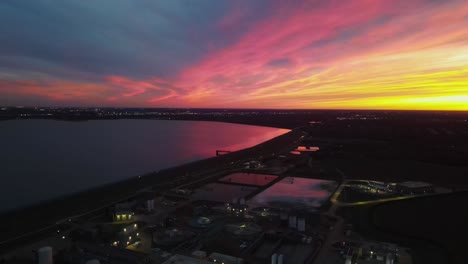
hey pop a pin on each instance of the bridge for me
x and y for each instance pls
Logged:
(222, 152)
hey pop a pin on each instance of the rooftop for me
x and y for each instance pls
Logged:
(415, 184)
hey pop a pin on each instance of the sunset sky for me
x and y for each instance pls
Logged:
(336, 54)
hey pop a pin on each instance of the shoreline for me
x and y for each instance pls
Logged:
(45, 216)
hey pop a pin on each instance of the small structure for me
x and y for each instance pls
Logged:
(45, 255)
(414, 187)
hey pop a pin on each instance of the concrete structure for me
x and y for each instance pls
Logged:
(45, 255)
(413, 187)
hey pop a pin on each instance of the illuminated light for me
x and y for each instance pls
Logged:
(135, 225)
(137, 234)
(63, 237)
(129, 238)
(128, 242)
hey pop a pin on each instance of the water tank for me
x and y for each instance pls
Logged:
(283, 215)
(150, 205)
(93, 261)
(44, 255)
(348, 261)
(301, 224)
(274, 258)
(292, 221)
(281, 259)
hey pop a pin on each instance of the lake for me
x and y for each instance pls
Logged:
(43, 159)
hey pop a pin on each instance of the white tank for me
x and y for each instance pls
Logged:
(274, 258)
(301, 224)
(45, 256)
(93, 261)
(348, 261)
(281, 259)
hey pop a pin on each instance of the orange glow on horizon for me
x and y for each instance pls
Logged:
(360, 54)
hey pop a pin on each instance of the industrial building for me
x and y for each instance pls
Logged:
(414, 187)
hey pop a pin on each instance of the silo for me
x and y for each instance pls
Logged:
(150, 205)
(283, 215)
(274, 258)
(45, 256)
(281, 259)
(292, 221)
(301, 224)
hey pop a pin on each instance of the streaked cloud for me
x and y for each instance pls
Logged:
(274, 54)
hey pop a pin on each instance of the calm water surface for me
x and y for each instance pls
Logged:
(292, 192)
(42, 159)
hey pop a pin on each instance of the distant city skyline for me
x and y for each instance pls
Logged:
(357, 54)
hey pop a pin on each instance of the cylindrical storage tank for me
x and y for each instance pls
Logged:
(283, 215)
(301, 225)
(93, 261)
(348, 261)
(292, 221)
(274, 258)
(45, 256)
(281, 259)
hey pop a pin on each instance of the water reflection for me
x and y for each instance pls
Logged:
(82, 155)
(295, 193)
